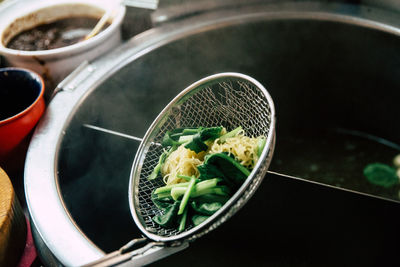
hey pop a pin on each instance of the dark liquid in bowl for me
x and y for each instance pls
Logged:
(60, 33)
(18, 91)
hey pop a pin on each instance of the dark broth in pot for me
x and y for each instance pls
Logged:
(57, 34)
(336, 157)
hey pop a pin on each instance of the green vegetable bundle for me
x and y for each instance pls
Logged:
(193, 201)
(199, 197)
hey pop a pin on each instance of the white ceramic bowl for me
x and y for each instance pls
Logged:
(56, 64)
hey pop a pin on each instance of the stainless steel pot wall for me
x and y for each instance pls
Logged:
(335, 65)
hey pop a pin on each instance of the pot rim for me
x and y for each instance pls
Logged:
(34, 103)
(70, 49)
(42, 161)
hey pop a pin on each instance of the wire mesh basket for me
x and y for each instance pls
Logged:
(227, 99)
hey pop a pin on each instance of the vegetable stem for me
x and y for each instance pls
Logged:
(201, 188)
(162, 195)
(177, 192)
(182, 223)
(190, 131)
(157, 168)
(218, 190)
(230, 134)
(161, 161)
(206, 184)
(187, 178)
(185, 139)
(186, 196)
(168, 188)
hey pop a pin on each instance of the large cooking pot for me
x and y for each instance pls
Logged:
(327, 66)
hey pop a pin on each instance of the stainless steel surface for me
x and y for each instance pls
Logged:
(307, 55)
(129, 254)
(173, 10)
(149, 4)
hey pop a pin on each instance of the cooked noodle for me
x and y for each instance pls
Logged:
(184, 161)
(242, 147)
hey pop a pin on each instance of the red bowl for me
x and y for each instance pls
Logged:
(21, 106)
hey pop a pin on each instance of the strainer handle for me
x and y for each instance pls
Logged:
(125, 254)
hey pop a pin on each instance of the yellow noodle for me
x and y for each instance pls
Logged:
(242, 147)
(185, 161)
(182, 161)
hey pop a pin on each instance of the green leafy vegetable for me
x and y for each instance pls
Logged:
(381, 174)
(162, 201)
(161, 161)
(206, 208)
(223, 166)
(197, 143)
(208, 198)
(193, 137)
(168, 219)
(208, 204)
(208, 171)
(205, 197)
(198, 219)
(157, 168)
(171, 138)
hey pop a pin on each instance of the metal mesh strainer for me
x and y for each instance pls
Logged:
(226, 99)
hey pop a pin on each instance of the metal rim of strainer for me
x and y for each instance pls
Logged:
(240, 197)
